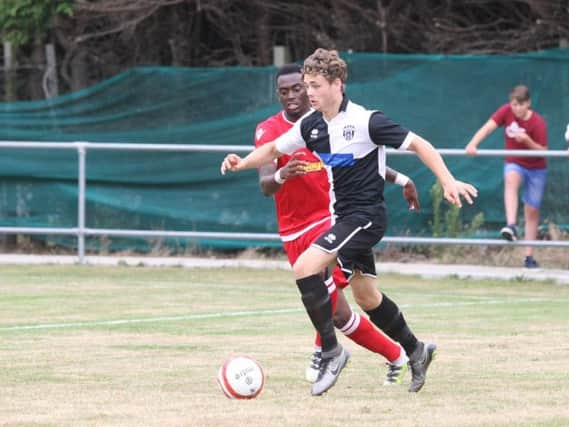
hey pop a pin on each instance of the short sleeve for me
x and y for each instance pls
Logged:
(264, 133)
(499, 115)
(539, 133)
(384, 131)
(291, 140)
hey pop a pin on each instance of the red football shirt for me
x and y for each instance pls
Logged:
(535, 127)
(303, 200)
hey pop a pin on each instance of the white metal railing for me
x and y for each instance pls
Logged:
(81, 231)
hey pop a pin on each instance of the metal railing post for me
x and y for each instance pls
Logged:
(82, 154)
(81, 231)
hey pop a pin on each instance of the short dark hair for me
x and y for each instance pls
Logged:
(288, 69)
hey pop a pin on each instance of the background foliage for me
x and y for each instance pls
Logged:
(97, 39)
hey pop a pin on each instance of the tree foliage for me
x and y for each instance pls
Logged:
(98, 38)
(23, 21)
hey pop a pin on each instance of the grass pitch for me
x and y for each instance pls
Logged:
(141, 346)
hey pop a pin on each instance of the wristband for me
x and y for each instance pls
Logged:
(278, 178)
(401, 179)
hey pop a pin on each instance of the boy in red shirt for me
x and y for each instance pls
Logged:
(524, 130)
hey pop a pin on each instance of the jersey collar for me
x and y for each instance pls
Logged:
(344, 103)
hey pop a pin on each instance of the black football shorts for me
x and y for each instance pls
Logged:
(353, 238)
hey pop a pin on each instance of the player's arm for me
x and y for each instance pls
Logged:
(383, 131)
(287, 143)
(258, 157)
(409, 190)
(268, 179)
(452, 189)
(488, 127)
(271, 179)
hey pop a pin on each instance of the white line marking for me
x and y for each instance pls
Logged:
(244, 314)
(150, 319)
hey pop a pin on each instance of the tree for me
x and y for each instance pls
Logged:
(25, 21)
(99, 38)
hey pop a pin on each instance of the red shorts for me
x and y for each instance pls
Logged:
(297, 246)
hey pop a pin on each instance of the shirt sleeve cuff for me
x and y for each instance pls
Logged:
(407, 141)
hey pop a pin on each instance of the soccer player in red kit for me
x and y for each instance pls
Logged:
(300, 187)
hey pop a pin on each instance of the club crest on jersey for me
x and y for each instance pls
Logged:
(349, 132)
(314, 133)
(330, 238)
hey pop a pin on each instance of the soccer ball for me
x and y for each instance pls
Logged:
(241, 377)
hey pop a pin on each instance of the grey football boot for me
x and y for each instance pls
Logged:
(419, 362)
(330, 369)
(312, 370)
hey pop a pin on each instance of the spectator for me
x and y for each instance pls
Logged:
(525, 129)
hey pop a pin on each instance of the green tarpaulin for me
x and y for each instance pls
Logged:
(443, 98)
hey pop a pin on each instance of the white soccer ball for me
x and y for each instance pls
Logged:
(241, 377)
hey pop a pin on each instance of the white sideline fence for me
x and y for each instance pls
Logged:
(81, 231)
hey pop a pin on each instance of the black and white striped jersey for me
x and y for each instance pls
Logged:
(352, 149)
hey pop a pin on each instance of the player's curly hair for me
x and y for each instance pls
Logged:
(327, 63)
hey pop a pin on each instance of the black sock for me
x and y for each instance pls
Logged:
(387, 317)
(319, 308)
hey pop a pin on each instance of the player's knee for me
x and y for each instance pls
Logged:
(303, 268)
(368, 301)
(299, 269)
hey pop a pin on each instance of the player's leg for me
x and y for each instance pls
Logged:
(534, 187)
(294, 248)
(360, 330)
(313, 368)
(531, 218)
(513, 179)
(307, 270)
(387, 316)
(357, 261)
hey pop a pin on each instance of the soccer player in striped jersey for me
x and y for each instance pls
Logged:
(350, 140)
(300, 188)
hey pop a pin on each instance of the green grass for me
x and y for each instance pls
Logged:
(141, 346)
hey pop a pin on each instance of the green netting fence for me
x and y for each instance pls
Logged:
(443, 98)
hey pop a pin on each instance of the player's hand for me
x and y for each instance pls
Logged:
(454, 190)
(295, 166)
(410, 194)
(230, 163)
(471, 149)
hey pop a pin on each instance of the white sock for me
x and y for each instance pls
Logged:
(402, 359)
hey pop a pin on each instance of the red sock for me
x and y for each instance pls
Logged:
(360, 330)
(334, 299)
